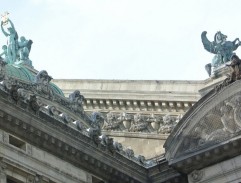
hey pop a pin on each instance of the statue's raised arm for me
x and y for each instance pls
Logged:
(12, 25)
(4, 32)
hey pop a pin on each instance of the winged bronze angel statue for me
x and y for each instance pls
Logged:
(222, 49)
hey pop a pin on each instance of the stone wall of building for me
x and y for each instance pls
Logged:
(24, 162)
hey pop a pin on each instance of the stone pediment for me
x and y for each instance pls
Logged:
(208, 132)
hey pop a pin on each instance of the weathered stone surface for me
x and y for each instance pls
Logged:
(212, 123)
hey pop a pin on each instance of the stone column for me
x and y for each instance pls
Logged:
(3, 175)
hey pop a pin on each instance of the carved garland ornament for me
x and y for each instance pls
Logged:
(140, 123)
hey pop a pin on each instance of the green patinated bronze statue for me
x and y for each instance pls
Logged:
(5, 53)
(222, 49)
(12, 37)
(15, 52)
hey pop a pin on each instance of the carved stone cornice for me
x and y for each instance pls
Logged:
(136, 135)
(132, 106)
(69, 144)
(163, 173)
(134, 95)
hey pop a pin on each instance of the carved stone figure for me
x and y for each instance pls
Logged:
(139, 124)
(23, 95)
(129, 153)
(235, 103)
(141, 159)
(24, 47)
(227, 119)
(118, 146)
(236, 68)
(95, 130)
(79, 125)
(107, 141)
(222, 49)
(219, 124)
(43, 77)
(42, 80)
(76, 100)
(168, 124)
(113, 122)
(34, 103)
(65, 117)
(53, 111)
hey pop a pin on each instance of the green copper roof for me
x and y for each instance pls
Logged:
(19, 72)
(22, 73)
(56, 89)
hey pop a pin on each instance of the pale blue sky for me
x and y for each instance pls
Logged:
(122, 39)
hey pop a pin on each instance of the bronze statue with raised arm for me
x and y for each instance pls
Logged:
(12, 42)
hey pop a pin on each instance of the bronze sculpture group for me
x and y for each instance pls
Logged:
(16, 50)
(224, 52)
(224, 56)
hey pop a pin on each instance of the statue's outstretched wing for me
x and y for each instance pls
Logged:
(29, 44)
(209, 46)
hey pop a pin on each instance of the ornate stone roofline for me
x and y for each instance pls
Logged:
(69, 144)
(59, 125)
